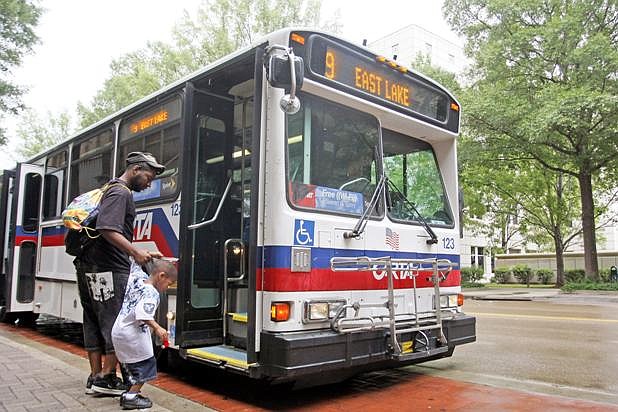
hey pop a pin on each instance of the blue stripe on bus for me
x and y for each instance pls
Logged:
(281, 256)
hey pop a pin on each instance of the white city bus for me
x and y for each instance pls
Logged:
(311, 198)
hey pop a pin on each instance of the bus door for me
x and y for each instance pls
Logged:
(21, 236)
(215, 205)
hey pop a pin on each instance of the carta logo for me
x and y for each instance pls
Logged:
(142, 228)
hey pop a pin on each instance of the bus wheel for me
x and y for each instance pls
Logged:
(6, 317)
(27, 319)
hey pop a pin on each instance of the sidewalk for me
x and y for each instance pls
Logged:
(523, 293)
(36, 377)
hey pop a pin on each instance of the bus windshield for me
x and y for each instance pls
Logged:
(411, 166)
(332, 153)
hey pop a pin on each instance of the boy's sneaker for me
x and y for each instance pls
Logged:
(137, 402)
(109, 385)
(89, 390)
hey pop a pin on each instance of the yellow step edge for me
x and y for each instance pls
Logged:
(239, 317)
(211, 356)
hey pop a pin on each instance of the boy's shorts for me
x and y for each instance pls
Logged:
(140, 372)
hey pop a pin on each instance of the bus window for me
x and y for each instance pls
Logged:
(26, 269)
(331, 157)
(411, 166)
(32, 194)
(91, 165)
(55, 172)
(156, 131)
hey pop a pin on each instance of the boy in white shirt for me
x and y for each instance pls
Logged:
(131, 331)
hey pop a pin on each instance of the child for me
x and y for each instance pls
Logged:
(131, 331)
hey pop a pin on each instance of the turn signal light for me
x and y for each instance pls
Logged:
(279, 311)
(298, 38)
(460, 299)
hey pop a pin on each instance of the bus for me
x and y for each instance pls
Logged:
(310, 197)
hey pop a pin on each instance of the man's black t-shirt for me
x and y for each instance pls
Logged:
(117, 213)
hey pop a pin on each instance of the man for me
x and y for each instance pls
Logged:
(103, 269)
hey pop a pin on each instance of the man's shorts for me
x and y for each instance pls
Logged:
(140, 372)
(101, 295)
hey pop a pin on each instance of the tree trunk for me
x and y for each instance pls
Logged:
(559, 257)
(590, 246)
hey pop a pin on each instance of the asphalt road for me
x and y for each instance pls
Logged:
(561, 345)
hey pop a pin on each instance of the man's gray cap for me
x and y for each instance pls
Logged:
(145, 157)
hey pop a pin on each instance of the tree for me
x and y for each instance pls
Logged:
(37, 134)
(17, 22)
(545, 83)
(218, 28)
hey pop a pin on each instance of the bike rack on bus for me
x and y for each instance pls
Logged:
(396, 323)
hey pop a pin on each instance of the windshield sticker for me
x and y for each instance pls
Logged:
(326, 198)
(338, 200)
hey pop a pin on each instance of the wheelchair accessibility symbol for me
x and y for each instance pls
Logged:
(303, 232)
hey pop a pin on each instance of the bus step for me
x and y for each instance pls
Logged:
(237, 329)
(222, 355)
(406, 356)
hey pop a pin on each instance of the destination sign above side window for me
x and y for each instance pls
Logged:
(378, 78)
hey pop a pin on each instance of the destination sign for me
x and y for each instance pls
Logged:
(160, 116)
(378, 77)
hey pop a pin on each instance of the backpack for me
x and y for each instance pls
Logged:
(80, 218)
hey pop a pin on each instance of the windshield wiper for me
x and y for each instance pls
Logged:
(432, 235)
(359, 228)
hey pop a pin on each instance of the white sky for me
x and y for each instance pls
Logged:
(79, 39)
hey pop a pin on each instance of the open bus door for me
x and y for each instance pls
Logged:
(22, 193)
(212, 294)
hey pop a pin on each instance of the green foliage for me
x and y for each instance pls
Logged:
(219, 27)
(471, 274)
(18, 18)
(35, 138)
(574, 275)
(501, 275)
(544, 86)
(572, 287)
(544, 275)
(522, 273)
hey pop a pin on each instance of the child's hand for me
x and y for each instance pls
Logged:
(162, 334)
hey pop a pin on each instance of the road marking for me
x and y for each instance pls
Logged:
(539, 317)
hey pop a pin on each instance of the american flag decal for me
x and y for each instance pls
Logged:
(392, 239)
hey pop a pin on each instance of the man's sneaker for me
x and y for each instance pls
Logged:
(89, 390)
(138, 402)
(109, 385)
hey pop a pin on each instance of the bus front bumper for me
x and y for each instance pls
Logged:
(289, 356)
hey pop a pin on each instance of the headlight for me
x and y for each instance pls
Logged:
(318, 311)
(321, 310)
(449, 301)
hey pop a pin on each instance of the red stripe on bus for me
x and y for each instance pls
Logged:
(53, 240)
(21, 239)
(283, 280)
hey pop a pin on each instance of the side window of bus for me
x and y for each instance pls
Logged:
(32, 195)
(91, 163)
(54, 184)
(156, 131)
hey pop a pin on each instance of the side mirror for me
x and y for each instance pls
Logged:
(285, 71)
(279, 73)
